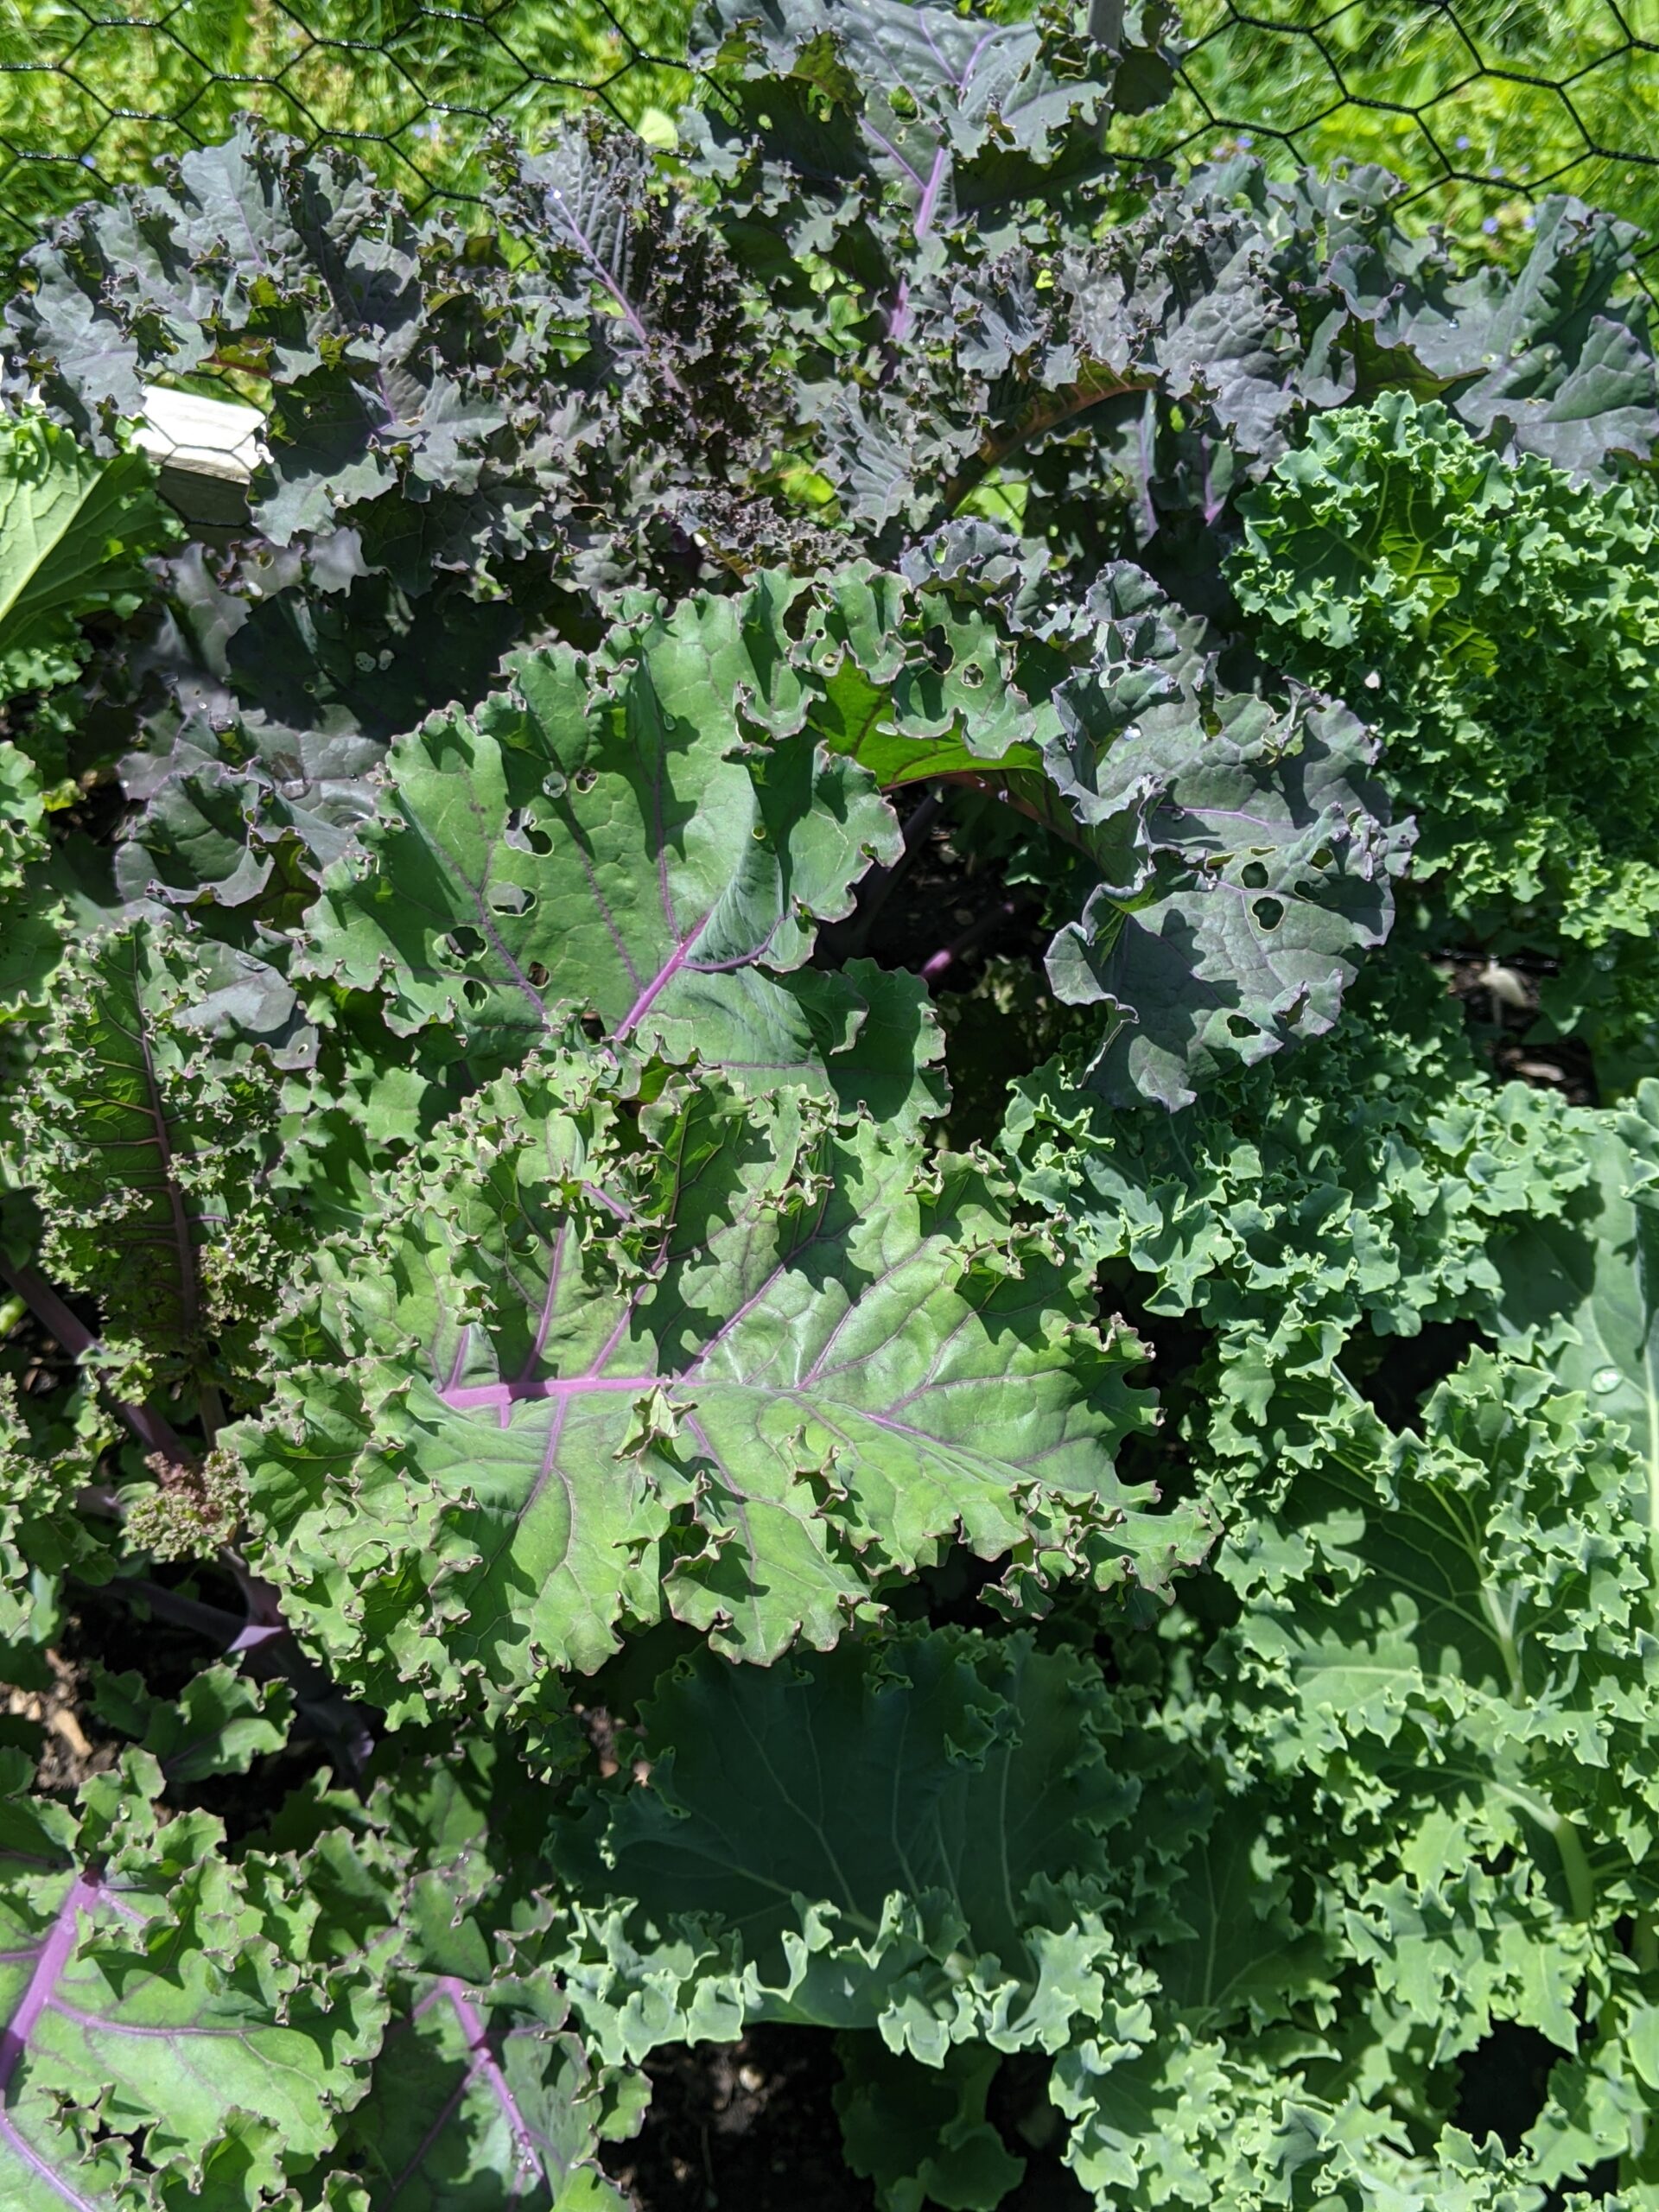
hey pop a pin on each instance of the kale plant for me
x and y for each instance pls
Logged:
(1506, 619)
(610, 1437)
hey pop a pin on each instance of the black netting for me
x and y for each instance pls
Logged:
(1482, 105)
(91, 94)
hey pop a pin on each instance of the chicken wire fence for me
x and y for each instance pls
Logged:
(1483, 106)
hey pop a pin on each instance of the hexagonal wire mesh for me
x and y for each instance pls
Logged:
(1482, 105)
(91, 92)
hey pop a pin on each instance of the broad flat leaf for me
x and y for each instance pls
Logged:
(1264, 860)
(1552, 358)
(1242, 853)
(749, 1365)
(915, 685)
(31, 922)
(877, 1838)
(921, 2133)
(644, 834)
(73, 532)
(1238, 1950)
(986, 112)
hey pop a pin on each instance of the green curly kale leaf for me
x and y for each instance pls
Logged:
(1363, 1194)
(1500, 624)
(148, 1151)
(952, 1846)
(1581, 1284)
(740, 1361)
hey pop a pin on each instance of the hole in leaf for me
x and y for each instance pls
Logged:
(972, 675)
(536, 974)
(523, 833)
(1253, 876)
(1269, 912)
(584, 779)
(1238, 1027)
(474, 992)
(464, 942)
(948, 1594)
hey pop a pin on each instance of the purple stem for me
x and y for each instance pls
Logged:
(26, 2155)
(666, 975)
(929, 197)
(527, 1388)
(939, 964)
(189, 1613)
(48, 1970)
(898, 315)
(77, 1339)
(267, 1649)
(482, 2063)
(486, 2064)
(590, 254)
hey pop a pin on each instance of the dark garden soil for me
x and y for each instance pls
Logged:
(936, 909)
(750, 2126)
(1500, 1003)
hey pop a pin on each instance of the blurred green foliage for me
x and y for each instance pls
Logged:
(91, 92)
(1481, 106)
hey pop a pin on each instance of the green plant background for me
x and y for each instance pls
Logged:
(90, 95)
(1481, 106)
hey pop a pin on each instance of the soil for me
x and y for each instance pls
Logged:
(1500, 1003)
(936, 909)
(750, 2126)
